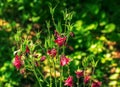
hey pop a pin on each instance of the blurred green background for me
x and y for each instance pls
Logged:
(96, 28)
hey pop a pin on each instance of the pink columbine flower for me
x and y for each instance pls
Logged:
(60, 41)
(17, 62)
(79, 73)
(96, 84)
(86, 79)
(27, 50)
(64, 60)
(69, 81)
(43, 58)
(52, 52)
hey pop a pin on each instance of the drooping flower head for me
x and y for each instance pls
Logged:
(43, 58)
(27, 50)
(69, 81)
(86, 79)
(17, 61)
(64, 60)
(79, 73)
(96, 84)
(60, 41)
(52, 52)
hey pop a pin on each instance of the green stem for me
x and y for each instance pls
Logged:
(50, 78)
(65, 26)
(78, 82)
(55, 73)
(33, 66)
(53, 20)
(49, 63)
(84, 77)
(42, 75)
(83, 84)
(61, 69)
(63, 50)
(37, 78)
(68, 69)
(91, 75)
(61, 75)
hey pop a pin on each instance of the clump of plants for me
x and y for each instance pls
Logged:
(47, 58)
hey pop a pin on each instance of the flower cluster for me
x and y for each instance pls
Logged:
(79, 74)
(53, 53)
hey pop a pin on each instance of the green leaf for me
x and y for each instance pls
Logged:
(109, 28)
(20, 8)
(35, 19)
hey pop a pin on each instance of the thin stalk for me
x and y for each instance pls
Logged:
(57, 56)
(55, 73)
(68, 70)
(37, 78)
(53, 20)
(42, 75)
(61, 69)
(84, 77)
(50, 72)
(92, 75)
(61, 75)
(77, 82)
(49, 63)
(83, 84)
(50, 78)
(33, 65)
(65, 25)
(63, 50)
